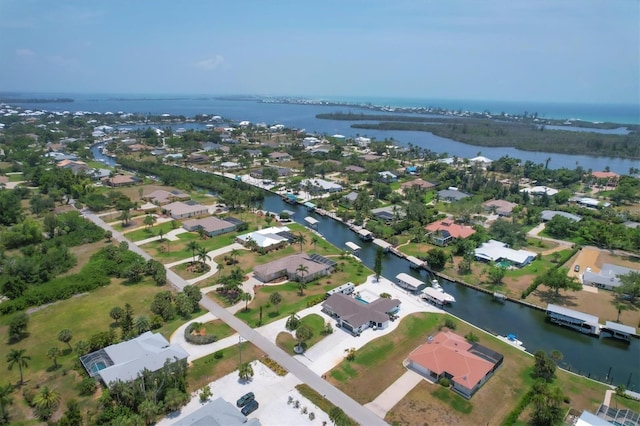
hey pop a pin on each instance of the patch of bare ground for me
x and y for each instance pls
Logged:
(83, 253)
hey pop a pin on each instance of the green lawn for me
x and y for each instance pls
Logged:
(144, 233)
(315, 322)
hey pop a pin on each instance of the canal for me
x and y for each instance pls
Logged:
(601, 359)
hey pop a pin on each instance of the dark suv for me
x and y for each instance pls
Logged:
(250, 407)
(244, 399)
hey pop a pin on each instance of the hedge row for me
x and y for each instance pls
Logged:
(561, 261)
(196, 339)
(512, 418)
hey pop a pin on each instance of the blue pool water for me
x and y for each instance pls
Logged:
(361, 300)
(100, 365)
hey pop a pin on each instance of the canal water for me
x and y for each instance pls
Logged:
(601, 359)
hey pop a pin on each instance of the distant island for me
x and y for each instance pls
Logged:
(35, 100)
(528, 134)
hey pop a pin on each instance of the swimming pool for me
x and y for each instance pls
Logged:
(97, 366)
(361, 300)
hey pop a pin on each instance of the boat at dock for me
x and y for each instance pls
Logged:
(513, 341)
(437, 296)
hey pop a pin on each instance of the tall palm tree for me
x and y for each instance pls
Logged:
(301, 239)
(247, 298)
(203, 257)
(302, 270)
(219, 267)
(193, 246)
(234, 254)
(315, 240)
(18, 357)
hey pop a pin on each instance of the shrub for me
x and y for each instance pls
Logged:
(197, 339)
(444, 382)
(274, 366)
(218, 355)
(450, 324)
(87, 386)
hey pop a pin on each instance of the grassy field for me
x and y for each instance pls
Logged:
(84, 315)
(315, 322)
(209, 368)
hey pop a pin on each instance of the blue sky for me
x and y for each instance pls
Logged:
(542, 50)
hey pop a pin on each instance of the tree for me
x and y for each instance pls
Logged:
(142, 324)
(547, 404)
(53, 355)
(193, 246)
(108, 235)
(18, 327)
(175, 398)
(544, 367)
(436, 258)
(495, 274)
(193, 292)
(18, 357)
(203, 256)
(302, 270)
(50, 223)
(629, 287)
(275, 298)
(148, 410)
(315, 240)
(149, 220)
(72, 416)
(5, 400)
(558, 279)
(292, 322)
(234, 254)
(205, 394)
(301, 240)
(46, 401)
(245, 371)
(116, 313)
(377, 266)
(65, 336)
(303, 333)
(247, 298)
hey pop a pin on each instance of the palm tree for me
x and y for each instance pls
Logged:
(53, 355)
(193, 246)
(234, 254)
(247, 298)
(203, 257)
(245, 371)
(5, 400)
(46, 402)
(160, 234)
(219, 267)
(315, 240)
(142, 324)
(302, 269)
(301, 239)
(18, 357)
(108, 235)
(148, 410)
(275, 298)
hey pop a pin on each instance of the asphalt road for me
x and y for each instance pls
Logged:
(352, 408)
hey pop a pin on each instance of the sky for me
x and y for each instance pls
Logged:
(508, 50)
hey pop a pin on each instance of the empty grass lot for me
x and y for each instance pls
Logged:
(287, 341)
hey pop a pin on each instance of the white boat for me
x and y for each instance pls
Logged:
(435, 284)
(439, 298)
(446, 296)
(513, 341)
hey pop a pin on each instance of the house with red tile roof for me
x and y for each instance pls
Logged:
(420, 183)
(446, 231)
(447, 355)
(121, 180)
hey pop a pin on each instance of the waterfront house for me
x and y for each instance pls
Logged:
(499, 252)
(161, 197)
(211, 226)
(449, 356)
(317, 185)
(268, 238)
(446, 231)
(120, 180)
(355, 316)
(316, 266)
(389, 213)
(608, 278)
(540, 190)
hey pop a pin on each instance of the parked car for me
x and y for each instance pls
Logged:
(251, 406)
(244, 399)
(577, 268)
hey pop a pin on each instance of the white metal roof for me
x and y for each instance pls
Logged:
(415, 282)
(589, 319)
(311, 221)
(620, 327)
(382, 243)
(352, 246)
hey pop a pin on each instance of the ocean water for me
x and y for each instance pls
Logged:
(304, 117)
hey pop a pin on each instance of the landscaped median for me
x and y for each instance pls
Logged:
(378, 364)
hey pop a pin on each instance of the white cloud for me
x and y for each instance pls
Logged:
(210, 63)
(25, 52)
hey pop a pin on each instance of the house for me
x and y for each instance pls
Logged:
(446, 231)
(607, 278)
(481, 161)
(355, 316)
(362, 141)
(606, 178)
(211, 226)
(417, 183)
(217, 412)
(121, 180)
(387, 177)
(197, 158)
(447, 355)
(500, 207)
(389, 213)
(124, 361)
(547, 215)
(592, 203)
(279, 157)
(540, 190)
(181, 210)
(351, 197)
(229, 165)
(320, 185)
(354, 169)
(451, 195)
(291, 267)
(496, 251)
(268, 238)
(161, 197)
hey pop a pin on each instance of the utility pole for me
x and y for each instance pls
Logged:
(240, 350)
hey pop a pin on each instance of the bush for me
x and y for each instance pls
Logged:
(218, 355)
(87, 386)
(444, 382)
(274, 366)
(197, 339)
